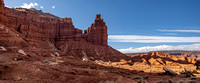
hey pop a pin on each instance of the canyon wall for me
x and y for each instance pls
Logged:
(37, 29)
(41, 27)
(37, 25)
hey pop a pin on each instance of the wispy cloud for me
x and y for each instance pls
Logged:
(188, 31)
(30, 5)
(53, 7)
(193, 47)
(169, 34)
(41, 7)
(151, 39)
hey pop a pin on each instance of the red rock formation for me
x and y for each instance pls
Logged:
(98, 52)
(97, 33)
(159, 58)
(3, 18)
(41, 27)
(38, 26)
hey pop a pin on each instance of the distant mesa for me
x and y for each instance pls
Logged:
(159, 58)
(192, 54)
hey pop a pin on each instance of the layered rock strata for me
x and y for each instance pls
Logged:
(34, 26)
(97, 33)
(41, 27)
(159, 58)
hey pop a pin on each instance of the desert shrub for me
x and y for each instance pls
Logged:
(187, 73)
(197, 64)
(195, 72)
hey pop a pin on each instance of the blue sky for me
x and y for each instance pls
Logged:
(168, 22)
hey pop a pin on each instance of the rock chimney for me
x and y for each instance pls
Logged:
(97, 32)
(3, 18)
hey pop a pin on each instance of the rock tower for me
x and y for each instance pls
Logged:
(3, 18)
(97, 32)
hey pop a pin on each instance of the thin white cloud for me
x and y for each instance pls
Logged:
(53, 7)
(189, 31)
(152, 39)
(41, 7)
(193, 47)
(169, 33)
(28, 6)
(35, 4)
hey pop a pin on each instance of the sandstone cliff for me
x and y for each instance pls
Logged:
(97, 33)
(41, 27)
(34, 27)
(38, 25)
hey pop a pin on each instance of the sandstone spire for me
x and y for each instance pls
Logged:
(3, 18)
(97, 32)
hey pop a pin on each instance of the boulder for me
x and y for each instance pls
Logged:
(17, 58)
(168, 71)
(56, 54)
(21, 52)
(2, 48)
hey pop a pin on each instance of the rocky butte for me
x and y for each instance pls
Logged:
(35, 25)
